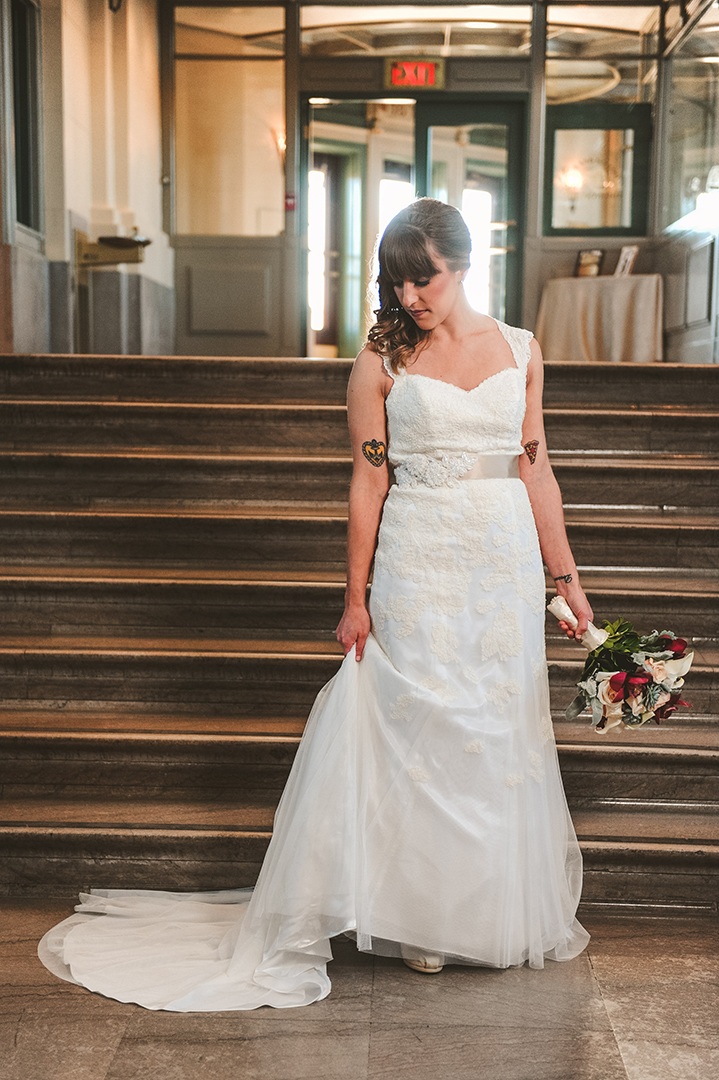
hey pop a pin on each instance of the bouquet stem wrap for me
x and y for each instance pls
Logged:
(592, 637)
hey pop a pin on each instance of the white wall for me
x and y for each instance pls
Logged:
(102, 130)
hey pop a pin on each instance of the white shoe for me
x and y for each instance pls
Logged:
(427, 963)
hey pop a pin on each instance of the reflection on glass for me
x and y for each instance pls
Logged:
(477, 212)
(317, 217)
(440, 183)
(469, 171)
(229, 132)
(693, 174)
(427, 30)
(597, 30)
(230, 31)
(592, 178)
(394, 195)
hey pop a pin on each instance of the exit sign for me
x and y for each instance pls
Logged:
(414, 74)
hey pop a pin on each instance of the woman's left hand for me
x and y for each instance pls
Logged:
(575, 596)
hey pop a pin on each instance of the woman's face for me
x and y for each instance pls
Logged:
(430, 300)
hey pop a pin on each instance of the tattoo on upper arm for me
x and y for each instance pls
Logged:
(530, 449)
(375, 452)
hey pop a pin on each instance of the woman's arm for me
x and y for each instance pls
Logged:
(368, 387)
(545, 497)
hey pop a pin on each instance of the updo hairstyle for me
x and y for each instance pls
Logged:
(404, 256)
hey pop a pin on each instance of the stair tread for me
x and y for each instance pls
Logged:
(646, 408)
(609, 458)
(137, 813)
(647, 737)
(640, 825)
(85, 723)
(278, 510)
(270, 510)
(609, 581)
(652, 826)
(87, 728)
(559, 650)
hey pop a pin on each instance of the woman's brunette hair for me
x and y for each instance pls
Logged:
(405, 255)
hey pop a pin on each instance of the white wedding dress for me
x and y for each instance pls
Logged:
(425, 805)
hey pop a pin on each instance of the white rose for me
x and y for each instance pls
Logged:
(657, 669)
(636, 704)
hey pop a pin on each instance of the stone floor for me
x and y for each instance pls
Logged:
(641, 1004)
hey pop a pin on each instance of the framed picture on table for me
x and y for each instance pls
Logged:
(627, 258)
(589, 263)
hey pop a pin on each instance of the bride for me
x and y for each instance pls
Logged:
(424, 814)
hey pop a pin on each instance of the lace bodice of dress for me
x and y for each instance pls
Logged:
(437, 421)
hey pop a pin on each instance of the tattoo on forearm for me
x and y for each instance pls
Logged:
(375, 452)
(530, 449)
(564, 577)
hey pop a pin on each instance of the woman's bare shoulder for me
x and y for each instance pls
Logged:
(370, 364)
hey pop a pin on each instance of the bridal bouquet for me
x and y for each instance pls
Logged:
(628, 680)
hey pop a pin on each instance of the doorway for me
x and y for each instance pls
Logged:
(471, 155)
(367, 159)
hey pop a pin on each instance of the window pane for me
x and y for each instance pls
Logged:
(478, 30)
(592, 173)
(25, 114)
(594, 30)
(693, 173)
(237, 31)
(229, 146)
(617, 80)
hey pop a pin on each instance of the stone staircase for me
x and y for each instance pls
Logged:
(171, 568)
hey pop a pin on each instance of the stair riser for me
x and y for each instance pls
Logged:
(176, 378)
(244, 429)
(256, 543)
(660, 879)
(93, 772)
(219, 686)
(75, 861)
(251, 379)
(32, 865)
(286, 429)
(147, 609)
(177, 484)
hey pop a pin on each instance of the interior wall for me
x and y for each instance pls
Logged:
(102, 164)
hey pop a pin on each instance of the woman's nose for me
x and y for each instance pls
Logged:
(408, 294)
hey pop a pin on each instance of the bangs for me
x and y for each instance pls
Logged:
(403, 255)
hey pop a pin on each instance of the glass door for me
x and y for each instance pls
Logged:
(471, 155)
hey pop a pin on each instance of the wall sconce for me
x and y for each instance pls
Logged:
(572, 180)
(280, 140)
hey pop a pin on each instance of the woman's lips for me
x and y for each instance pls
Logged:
(416, 314)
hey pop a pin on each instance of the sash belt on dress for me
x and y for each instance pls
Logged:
(425, 471)
(494, 467)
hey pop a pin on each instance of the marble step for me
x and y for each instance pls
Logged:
(270, 678)
(257, 538)
(60, 602)
(640, 857)
(635, 767)
(57, 426)
(133, 480)
(275, 379)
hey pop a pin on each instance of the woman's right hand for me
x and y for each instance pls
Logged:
(353, 629)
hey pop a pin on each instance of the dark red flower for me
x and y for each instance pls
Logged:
(677, 646)
(617, 680)
(622, 682)
(669, 707)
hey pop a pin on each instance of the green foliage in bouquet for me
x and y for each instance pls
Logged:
(631, 679)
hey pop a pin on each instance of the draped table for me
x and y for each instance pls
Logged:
(615, 319)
